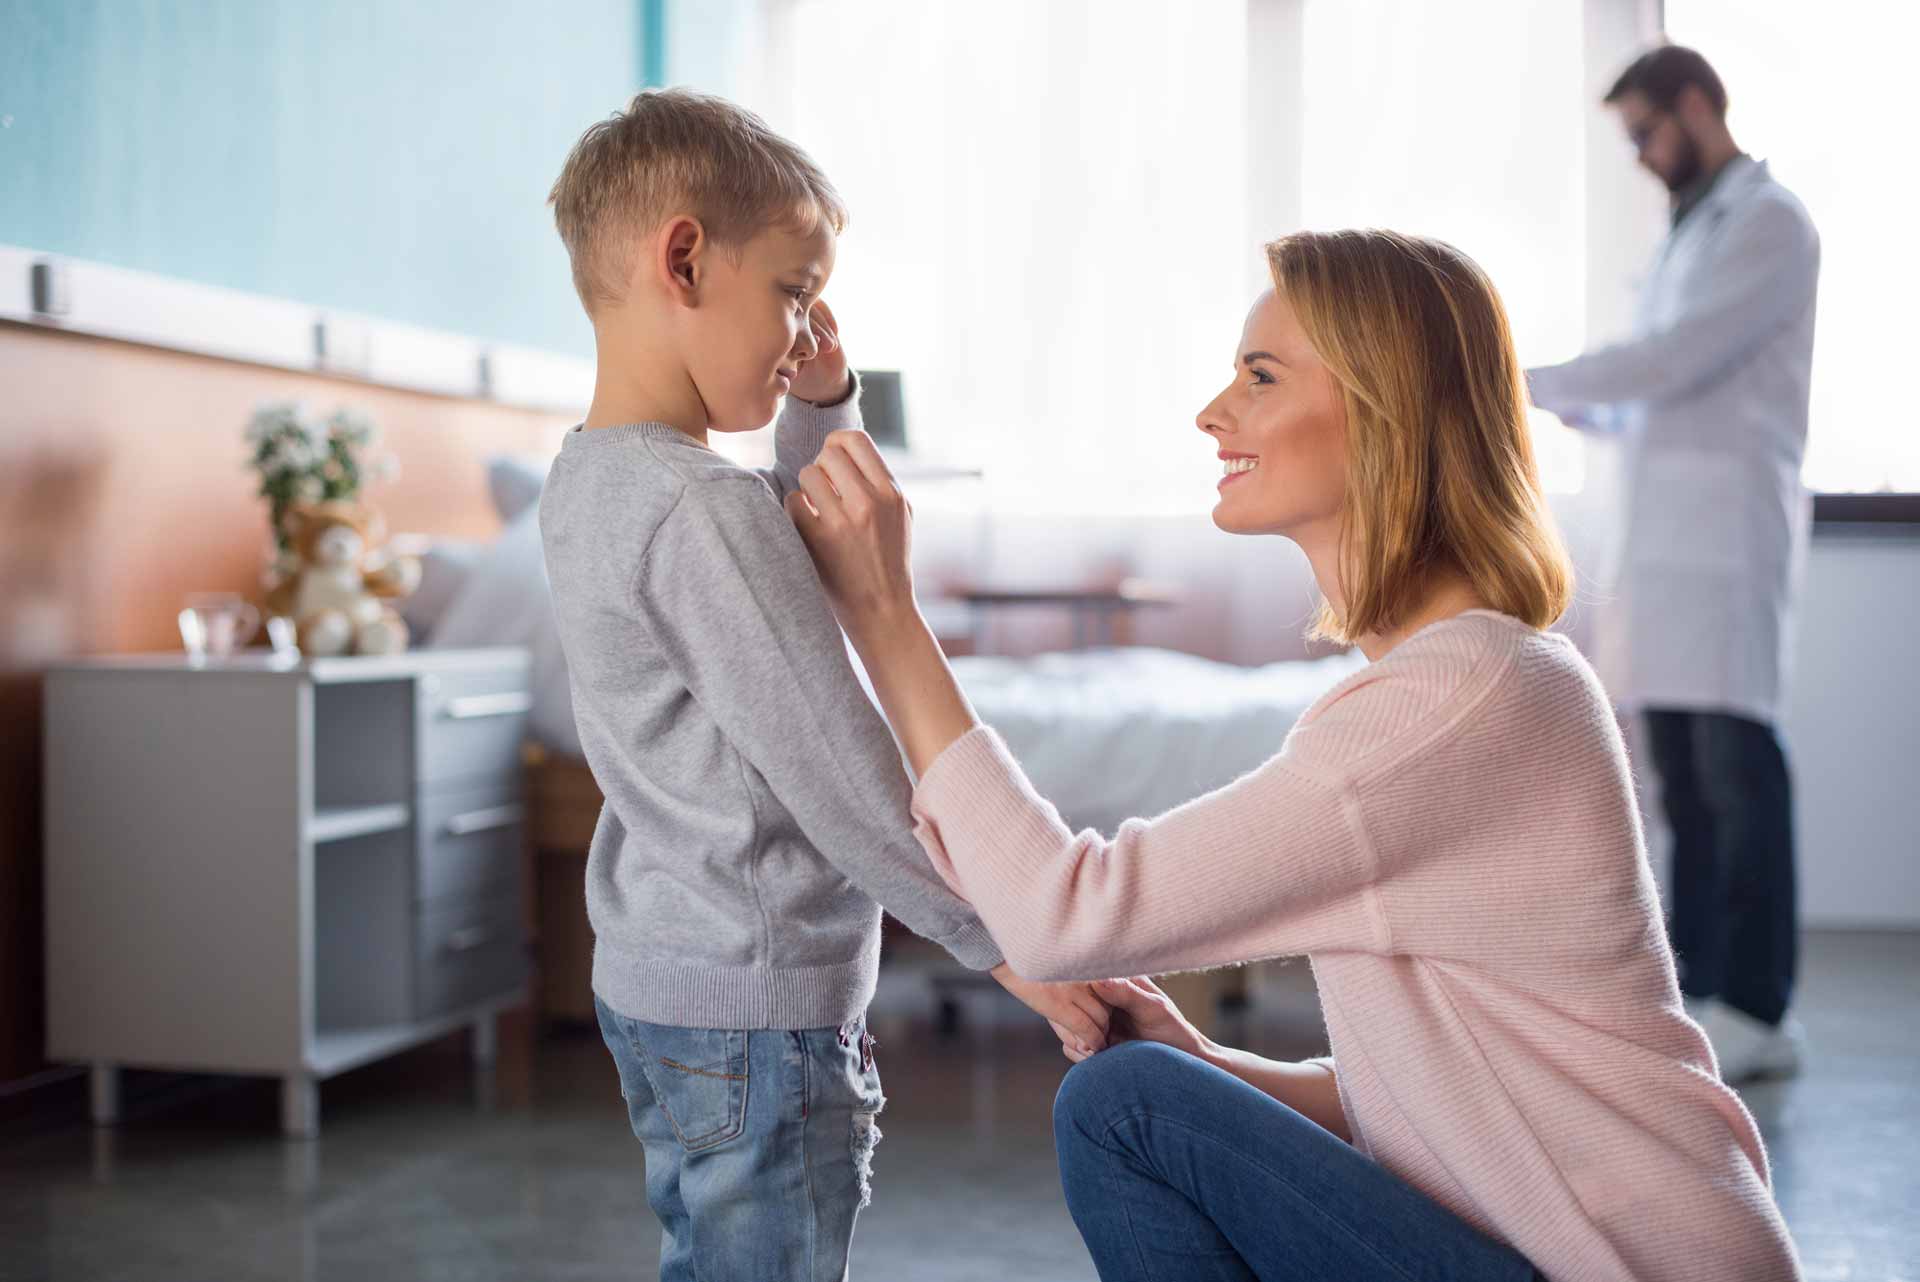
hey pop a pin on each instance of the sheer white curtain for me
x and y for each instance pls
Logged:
(1820, 93)
(1048, 226)
(1465, 122)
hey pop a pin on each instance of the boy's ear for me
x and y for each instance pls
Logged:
(681, 252)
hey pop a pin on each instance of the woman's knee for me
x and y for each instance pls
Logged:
(1121, 1081)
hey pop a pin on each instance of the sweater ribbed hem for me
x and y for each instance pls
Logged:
(655, 990)
(973, 947)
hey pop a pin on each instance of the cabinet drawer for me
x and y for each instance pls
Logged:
(472, 723)
(467, 952)
(470, 841)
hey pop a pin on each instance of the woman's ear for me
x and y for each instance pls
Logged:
(682, 250)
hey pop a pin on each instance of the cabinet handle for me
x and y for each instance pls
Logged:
(467, 938)
(472, 706)
(482, 820)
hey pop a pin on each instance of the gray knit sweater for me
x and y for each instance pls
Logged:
(756, 809)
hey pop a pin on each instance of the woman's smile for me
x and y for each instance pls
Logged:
(1237, 466)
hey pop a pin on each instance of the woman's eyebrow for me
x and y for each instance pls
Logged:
(1249, 358)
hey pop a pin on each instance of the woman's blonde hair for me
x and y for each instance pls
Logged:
(1440, 466)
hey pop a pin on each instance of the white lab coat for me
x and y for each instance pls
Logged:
(1710, 398)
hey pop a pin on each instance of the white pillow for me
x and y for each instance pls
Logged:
(505, 601)
(514, 481)
(445, 565)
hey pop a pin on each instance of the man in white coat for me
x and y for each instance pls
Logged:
(1709, 397)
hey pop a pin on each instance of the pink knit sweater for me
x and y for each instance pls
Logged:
(1450, 836)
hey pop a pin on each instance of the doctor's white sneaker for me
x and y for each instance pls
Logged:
(1748, 1049)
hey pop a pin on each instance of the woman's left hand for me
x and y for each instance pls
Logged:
(1143, 1013)
(859, 528)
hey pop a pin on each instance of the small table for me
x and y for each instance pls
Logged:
(1093, 610)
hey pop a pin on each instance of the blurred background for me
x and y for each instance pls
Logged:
(259, 254)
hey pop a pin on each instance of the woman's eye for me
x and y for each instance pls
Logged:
(1261, 376)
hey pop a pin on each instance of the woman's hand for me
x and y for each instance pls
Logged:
(859, 528)
(1142, 1013)
(1078, 1017)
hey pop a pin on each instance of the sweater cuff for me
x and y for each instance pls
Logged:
(973, 947)
(964, 779)
(806, 426)
(963, 768)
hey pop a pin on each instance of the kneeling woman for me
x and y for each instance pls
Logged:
(1450, 835)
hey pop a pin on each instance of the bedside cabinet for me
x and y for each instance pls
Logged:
(291, 871)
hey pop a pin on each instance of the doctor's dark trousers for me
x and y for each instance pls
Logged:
(1729, 805)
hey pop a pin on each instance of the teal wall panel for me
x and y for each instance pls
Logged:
(386, 157)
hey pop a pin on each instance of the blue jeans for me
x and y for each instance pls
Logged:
(759, 1144)
(1177, 1170)
(1729, 803)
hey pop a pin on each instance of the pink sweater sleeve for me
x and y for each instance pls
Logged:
(1273, 864)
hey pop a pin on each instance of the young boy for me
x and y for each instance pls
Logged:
(757, 814)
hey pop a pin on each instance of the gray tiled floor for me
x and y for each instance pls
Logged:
(427, 1171)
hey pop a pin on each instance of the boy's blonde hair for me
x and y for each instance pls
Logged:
(675, 151)
(1440, 467)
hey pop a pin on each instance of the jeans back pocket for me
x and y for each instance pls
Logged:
(700, 1078)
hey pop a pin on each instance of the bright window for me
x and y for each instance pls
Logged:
(1819, 93)
(1048, 226)
(1050, 207)
(1465, 122)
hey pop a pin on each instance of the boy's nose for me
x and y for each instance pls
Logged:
(804, 346)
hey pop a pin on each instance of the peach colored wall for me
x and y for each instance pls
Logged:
(123, 487)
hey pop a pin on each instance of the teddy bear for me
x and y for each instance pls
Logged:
(336, 585)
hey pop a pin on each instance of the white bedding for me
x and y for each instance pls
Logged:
(1107, 735)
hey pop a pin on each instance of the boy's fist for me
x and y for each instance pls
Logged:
(823, 380)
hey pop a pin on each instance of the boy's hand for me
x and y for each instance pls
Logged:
(823, 380)
(1079, 1018)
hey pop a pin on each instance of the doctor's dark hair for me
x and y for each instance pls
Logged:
(1440, 466)
(1660, 74)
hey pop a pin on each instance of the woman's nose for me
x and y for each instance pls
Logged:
(1209, 419)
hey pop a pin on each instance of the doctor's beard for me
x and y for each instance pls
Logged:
(1686, 166)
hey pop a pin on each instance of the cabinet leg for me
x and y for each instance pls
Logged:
(299, 1107)
(486, 1039)
(104, 1081)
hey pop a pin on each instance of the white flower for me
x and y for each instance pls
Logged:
(296, 453)
(310, 489)
(276, 419)
(352, 427)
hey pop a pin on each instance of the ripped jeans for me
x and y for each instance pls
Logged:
(759, 1144)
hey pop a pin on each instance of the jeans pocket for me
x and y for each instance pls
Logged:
(700, 1078)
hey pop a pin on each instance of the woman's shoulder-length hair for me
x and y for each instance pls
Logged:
(1440, 463)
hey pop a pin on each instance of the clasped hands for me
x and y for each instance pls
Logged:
(1089, 1017)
